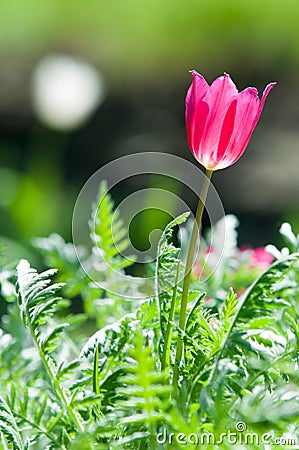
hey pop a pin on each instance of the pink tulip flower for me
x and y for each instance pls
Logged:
(220, 120)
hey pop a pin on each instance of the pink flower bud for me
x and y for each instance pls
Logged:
(220, 120)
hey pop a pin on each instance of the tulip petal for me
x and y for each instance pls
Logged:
(200, 117)
(194, 120)
(244, 139)
(267, 89)
(247, 109)
(219, 97)
(227, 129)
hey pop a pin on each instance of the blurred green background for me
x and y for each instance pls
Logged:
(142, 52)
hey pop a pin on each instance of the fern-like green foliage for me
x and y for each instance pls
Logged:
(9, 432)
(38, 302)
(143, 398)
(64, 256)
(109, 338)
(108, 349)
(110, 387)
(168, 274)
(168, 257)
(208, 330)
(260, 337)
(108, 233)
(102, 283)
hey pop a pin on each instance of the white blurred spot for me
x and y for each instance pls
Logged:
(228, 248)
(287, 232)
(65, 91)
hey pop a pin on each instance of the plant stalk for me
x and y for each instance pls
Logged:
(187, 274)
(167, 339)
(59, 390)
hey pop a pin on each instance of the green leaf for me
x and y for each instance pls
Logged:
(167, 276)
(10, 432)
(258, 337)
(33, 290)
(108, 233)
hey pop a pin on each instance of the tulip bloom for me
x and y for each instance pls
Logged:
(220, 120)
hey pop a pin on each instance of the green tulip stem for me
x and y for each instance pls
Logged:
(187, 275)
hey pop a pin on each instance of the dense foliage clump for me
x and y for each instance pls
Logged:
(64, 389)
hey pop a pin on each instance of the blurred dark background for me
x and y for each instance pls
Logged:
(82, 84)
